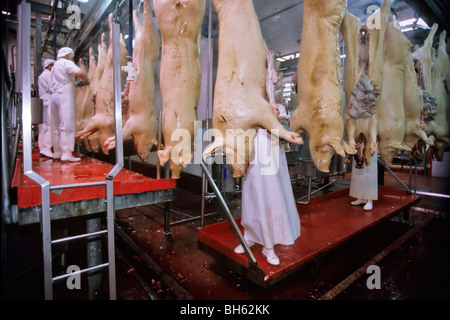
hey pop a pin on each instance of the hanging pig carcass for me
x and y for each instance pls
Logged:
(391, 111)
(180, 78)
(93, 141)
(415, 126)
(363, 78)
(240, 105)
(103, 119)
(320, 108)
(84, 106)
(439, 126)
(140, 113)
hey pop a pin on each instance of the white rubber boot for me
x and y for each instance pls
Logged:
(67, 143)
(358, 202)
(270, 256)
(368, 206)
(56, 147)
(45, 144)
(240, 248)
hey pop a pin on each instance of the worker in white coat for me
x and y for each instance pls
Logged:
(63, 76)
(364, 178)
(269, 210)
(45, 129)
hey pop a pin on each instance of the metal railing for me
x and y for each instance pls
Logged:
(24, 82)
(207, 175)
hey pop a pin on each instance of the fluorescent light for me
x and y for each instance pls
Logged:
(83, 1)
(412, 21)
(125, 37)
(289, 57)
(410, 24)
(6, 13)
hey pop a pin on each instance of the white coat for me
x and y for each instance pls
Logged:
(269, 210)
(364, 181)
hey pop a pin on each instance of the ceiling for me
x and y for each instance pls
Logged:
(281, 20)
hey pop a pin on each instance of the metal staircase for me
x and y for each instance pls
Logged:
(24, 94)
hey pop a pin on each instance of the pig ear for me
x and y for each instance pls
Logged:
(217, 144)
(348, 149)
(336, 145)
(401, 147)
(185, 158)
(163, 155)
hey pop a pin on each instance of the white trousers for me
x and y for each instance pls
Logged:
(63, 113)
(46, 130)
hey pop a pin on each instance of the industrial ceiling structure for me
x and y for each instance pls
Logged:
(281, 22)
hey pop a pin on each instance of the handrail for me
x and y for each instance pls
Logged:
(24, 48)
(394, 175)
(23, 34)
(234, 226)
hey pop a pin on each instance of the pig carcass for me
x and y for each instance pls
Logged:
(93, 141)
(80, 94)
(240, 104)
(415, 127)
(423, 60)
(141, 121)
(391, 111)
(180, 78)
(320, 108)
(84, 106)
(103, 120)
(439, 126)
(363, 79)
(424, 57)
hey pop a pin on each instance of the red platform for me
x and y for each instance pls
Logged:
(87, 170)
(326, 222)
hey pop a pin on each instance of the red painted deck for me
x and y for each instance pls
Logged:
(87, 170)
(326, 222)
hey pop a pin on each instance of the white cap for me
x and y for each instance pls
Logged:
(48, 62)
(64, 51)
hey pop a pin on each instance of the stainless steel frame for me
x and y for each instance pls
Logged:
(230, 217)
(395, 176)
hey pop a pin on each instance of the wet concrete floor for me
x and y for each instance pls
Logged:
(175, 268)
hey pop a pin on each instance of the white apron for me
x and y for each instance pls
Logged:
(364, 182)
(269, 210)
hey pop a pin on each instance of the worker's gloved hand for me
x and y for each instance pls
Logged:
(81, 83)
